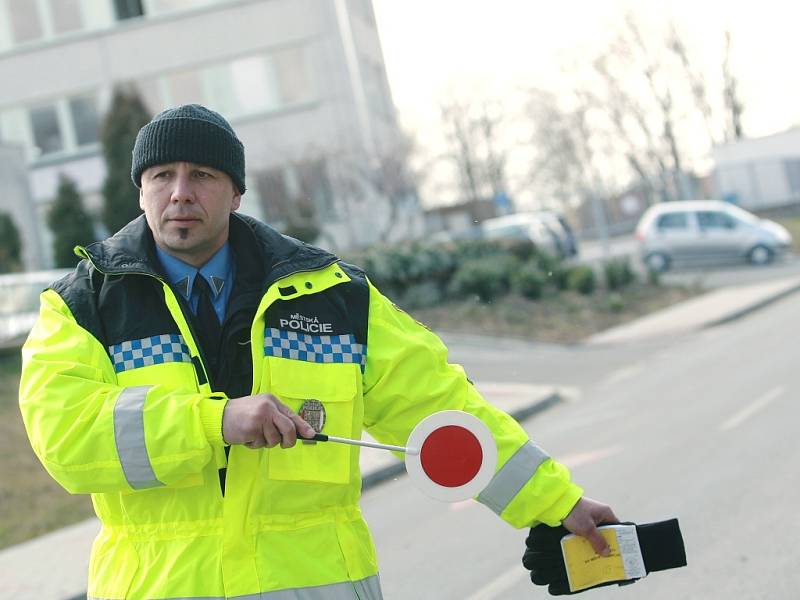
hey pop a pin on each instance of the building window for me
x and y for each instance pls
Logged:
(293, 78)
(253, 81)
(218, 90)
(240, 88)
(25, 20)
(128, 9)
(47, 134)
(83, 110)
(315, 185)
(297, 191)
(793, 175)
(60, 127)
(274, 195)
(66, 16)
(167, 6)
(260, 83)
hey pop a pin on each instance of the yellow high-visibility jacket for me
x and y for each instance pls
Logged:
(117, 404)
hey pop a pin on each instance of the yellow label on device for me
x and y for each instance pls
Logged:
(586, 568)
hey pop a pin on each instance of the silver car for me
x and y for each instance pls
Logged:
(527, 226)
(695, 230)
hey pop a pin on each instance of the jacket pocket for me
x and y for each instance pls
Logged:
(335, 386)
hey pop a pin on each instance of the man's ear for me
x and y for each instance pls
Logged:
(237, 200)
(141, 199)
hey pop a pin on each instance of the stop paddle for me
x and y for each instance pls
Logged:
(457, 456)
(450, 455)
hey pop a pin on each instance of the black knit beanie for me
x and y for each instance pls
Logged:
(190, 133)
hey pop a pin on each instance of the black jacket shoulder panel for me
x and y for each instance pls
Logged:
(78, 290)
(355, 272)
(284, 254)
(130, 250)
(355, 294)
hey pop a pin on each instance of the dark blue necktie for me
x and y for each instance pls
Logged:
(209, 328)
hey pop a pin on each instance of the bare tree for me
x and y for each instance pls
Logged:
(391, 177)
(696, 80)
(733, 104)
(661, 88)
(304, 195)
(651, 108)
(475, 148)
(561, 154)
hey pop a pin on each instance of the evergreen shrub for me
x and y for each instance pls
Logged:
(581, 279)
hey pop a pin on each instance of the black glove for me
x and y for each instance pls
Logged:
(661, 544)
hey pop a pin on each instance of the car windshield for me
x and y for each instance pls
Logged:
(506, 231)
(741, 214)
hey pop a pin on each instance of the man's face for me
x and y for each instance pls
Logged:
(187, 207)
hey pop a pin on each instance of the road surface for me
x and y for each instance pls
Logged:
(702, 428)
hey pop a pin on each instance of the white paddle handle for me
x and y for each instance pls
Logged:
(321, 437)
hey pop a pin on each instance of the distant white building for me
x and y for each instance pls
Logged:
(760, 173)
(302, 81)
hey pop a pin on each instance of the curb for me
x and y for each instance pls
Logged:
(705, 311)
(752, 308)
(395, 470)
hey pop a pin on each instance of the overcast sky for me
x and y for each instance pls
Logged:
(432, 45)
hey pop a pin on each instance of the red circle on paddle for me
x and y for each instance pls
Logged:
(451, 456)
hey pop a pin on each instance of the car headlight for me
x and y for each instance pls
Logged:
(784, 237)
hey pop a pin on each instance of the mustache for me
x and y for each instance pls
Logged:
(183, 215)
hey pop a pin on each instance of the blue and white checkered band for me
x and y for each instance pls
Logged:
(153, 350)
(314, 348)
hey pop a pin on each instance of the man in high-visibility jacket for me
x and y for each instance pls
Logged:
(165, 375)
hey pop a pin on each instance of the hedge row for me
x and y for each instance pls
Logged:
(420, 275)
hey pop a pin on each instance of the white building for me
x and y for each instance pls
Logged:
(302, 82)
(760, 173)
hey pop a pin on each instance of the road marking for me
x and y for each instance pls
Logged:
(497, 587)
(622, 374)
(585, 458)
(751, 409)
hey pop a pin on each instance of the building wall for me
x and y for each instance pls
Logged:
(276, 69)
(761, 173)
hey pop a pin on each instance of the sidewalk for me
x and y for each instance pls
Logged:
(54, 566)
(710, 309)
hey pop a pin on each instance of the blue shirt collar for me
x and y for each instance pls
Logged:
(218, 271)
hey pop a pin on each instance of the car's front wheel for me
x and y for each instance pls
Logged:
(657, 261)
(760, 255)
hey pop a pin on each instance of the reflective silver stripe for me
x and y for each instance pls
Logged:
(364, 589)
(129, 438)
(508, 481)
